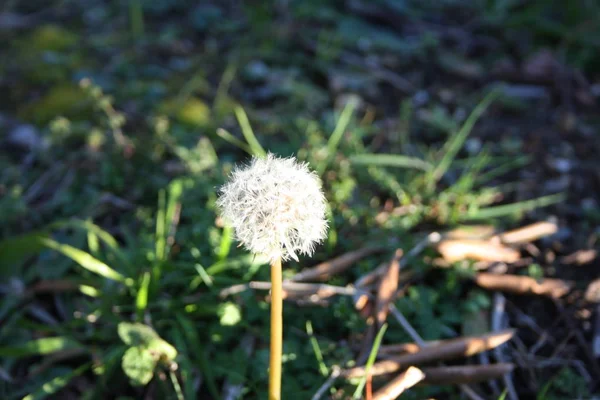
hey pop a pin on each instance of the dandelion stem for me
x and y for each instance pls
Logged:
(276, 330)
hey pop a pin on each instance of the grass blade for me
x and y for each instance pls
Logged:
(228, 137)
(315, 345)
(199, 354)
(456, 142)
(514, 208)
(104, 236)
(141, 300)
(86, 261)
(341, 126)
(40, 347)
(55, 384)
(370, 362)
(390, 160)
(225, 245)
(257, 149)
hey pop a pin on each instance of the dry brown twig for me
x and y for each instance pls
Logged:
(295, 289)
(527, 233)
(388, 285)
(465, 373)
(446, 349)
(518, 284)
(327, 269)
(453, 250)
(398, 385)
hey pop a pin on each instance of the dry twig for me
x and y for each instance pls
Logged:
(327, 269)
(517, 284)
(481, 250)
(398, 385)
(465, 373)
(387, 288)
(528, 233)
(446, 349)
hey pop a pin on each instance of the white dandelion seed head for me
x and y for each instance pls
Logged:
(275, 206)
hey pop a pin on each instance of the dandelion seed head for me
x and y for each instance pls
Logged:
(276, 207)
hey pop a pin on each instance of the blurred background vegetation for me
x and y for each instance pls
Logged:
(120, 119)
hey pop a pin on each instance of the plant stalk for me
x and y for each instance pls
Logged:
(276, 330)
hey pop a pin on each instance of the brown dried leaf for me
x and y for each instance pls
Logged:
(554, 288)
(465, 373)
(327, 269)
(444, 350)
(480, 250)
(398, 385)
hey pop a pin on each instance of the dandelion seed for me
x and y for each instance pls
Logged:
(276, 207)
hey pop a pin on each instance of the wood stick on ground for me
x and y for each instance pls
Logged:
(327, 269)
(480, 250)
(294, 288)
(518, 284)
(388, 285)
(398, 385)
(498, 318)
(395, 349)
(466, 389)
(335, 373)
(446, 349)
(528, 233)
(374, 275)
(471, 232)
(465, 373)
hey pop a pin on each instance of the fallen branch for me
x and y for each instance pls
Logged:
(374, 275)
(398, 385)
(518, 284)
(528, 233)
(327, 269)
(446, 349)
(453, 250)
(387, 288)
(294, 289)
(465, 373)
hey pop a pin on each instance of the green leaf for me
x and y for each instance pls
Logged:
(229, 314)
(138, 364)
(135, 334)
(86, 261)
(390, 160)
(140, 335)
(55, 384)
(40, 347)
